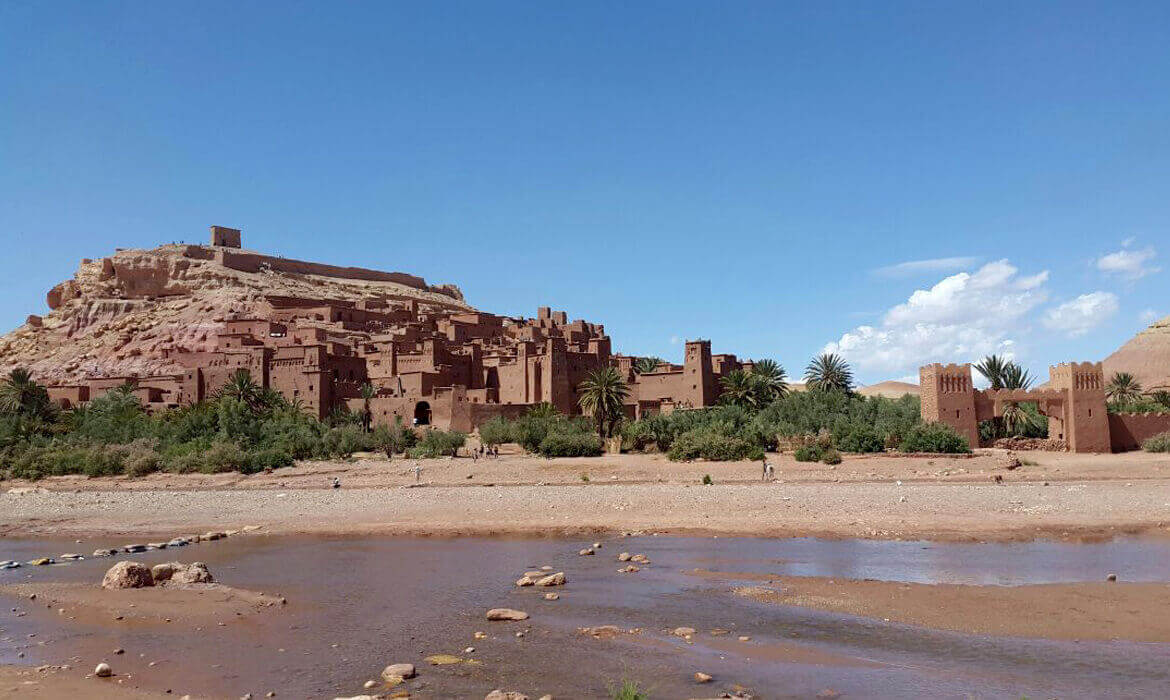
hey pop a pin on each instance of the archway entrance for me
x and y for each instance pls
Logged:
(422, 413)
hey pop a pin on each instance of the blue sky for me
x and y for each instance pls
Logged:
(757, 173)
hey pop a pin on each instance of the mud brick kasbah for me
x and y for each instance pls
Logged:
(433, 360)
(429, 363)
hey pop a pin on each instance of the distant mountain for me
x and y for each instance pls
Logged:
(1146, 356)
(891, 389)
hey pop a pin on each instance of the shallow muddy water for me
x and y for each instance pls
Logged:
(357, 604)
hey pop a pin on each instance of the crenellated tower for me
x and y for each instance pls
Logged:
(948, 396)
(1086, 421)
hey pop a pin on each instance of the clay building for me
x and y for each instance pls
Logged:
(1073, 400)
(430, 363)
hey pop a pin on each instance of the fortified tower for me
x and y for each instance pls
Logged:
(700, 388)
(949, 397)
(1086, 420)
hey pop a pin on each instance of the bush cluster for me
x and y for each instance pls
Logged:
(934, 437)
(113, 434)
(833, 420)
(1157, 443)
(546, 432)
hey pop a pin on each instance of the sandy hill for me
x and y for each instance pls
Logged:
(118, 315)
(1146, 356)
(890, 389)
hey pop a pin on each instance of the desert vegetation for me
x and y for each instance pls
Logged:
(244, 428)
(758, 414)
(1125, 395)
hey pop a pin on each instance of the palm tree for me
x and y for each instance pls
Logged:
(603, 395)
(992, 369)
(241, 387)
(1015, 419)
(368, 392)
(644, 365)
(1123, 388)
(772, 379)
(20, 395)
(740, 388)
(829, 372)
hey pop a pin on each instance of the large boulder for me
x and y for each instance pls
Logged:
(195, 572)
(128, 574)
(178, 572)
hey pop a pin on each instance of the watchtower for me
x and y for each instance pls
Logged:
(949, 397)
(1086, 420)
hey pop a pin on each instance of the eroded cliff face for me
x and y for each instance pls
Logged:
(1146, 356)
(120, 315)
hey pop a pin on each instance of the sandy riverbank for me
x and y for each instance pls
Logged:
(1104, 611)
(1055, 495)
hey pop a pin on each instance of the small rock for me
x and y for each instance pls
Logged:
(828, 694)
(745, 638)
(551, 596)
(585, 553)
(119, 652)
(624, 556)
(501, 695)
(498, 614)
(103, 670)
(104, 552)
(469, 650)
(683, 631)
(597, 545)
(701, 677)
(134, 548)
(1111, 577)
(370, 684)
(525, 581)
(480, 635)
(71, 557)
(557, 579)
(43, 561)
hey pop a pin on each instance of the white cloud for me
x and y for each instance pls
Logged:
(1128, 263)
(962, 317)
(1083, 314)
(1149, 316)
(675, 340)
(914, 267)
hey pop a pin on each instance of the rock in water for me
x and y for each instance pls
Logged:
(103, 670)
(701, 677)
(501, 695)
(684, 631)
(127, 574)
(557, 579)
(195, 572)
(399, 671)
(164, 572)
(585, 552)
(498, 614)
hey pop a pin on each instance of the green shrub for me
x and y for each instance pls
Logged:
(831, 456)
(438, 443)
(934, 437)
(392, 439)
(859, 437)
(345, 440)
(570, 444)
(1157, 443)
(496, 431)
(808, 453)
(707, 481)
(709, 444)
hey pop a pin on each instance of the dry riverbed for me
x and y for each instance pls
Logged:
(1050, 495)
